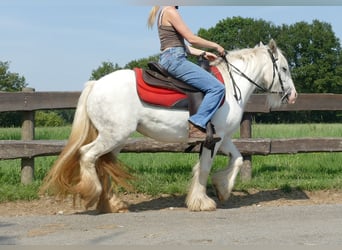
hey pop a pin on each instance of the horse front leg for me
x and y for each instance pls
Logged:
(224, 180)
(197, 199)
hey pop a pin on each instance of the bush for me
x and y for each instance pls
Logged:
(48, 119)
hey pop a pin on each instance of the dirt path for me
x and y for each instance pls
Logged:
(140, 202)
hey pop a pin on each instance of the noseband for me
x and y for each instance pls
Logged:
(275, 71)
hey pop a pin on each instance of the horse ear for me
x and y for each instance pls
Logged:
(273, 46)
(260, 44)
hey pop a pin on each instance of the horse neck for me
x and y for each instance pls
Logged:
(250, 63)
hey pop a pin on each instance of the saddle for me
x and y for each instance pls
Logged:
(157, 87)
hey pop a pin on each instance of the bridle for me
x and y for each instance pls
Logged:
(267, 90)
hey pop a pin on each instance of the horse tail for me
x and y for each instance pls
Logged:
(63, 177)
(64, 174)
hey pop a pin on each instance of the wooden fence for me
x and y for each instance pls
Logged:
(28, 148)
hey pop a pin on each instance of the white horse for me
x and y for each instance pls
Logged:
(109, 111)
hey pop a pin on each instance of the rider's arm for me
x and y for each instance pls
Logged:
(197, 52)
(173, 18)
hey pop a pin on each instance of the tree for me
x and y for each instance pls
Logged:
(142, 63)
(314, 53)
(237, 32)
(105, 69)
(10, 82)
(48, 119)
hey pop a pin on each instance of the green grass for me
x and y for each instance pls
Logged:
(169, 173)
(44, 133)
(316, 171)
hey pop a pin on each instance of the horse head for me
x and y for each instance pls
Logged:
(281, 80)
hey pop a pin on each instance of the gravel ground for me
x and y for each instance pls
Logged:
(251, 218)
(285, 225)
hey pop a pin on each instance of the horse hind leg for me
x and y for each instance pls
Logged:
(109, 202)
(94, 186)
(89, 186)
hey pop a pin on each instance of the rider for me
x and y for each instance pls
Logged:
(172, 33)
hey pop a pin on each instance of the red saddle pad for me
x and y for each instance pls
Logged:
(162, 96)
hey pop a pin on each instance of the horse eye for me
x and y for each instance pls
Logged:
(284, 69)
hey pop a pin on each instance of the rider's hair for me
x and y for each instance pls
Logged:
(152, 16)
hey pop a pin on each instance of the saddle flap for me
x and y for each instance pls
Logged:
(159, 77)
(155, 95)
(155, 79)
(158, 68)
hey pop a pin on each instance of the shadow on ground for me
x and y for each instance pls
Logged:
(237, 200)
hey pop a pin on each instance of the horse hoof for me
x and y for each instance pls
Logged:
(111, 205)
(204, 204)
(218, 194)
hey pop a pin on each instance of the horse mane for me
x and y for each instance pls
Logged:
(238, 54)
(244, 55)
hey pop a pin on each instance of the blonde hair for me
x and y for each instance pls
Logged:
(152, 16)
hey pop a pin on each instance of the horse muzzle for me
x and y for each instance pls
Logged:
(290, 96)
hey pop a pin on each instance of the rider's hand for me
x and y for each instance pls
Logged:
(220, 50)
(210, 56)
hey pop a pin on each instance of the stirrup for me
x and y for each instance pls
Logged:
(209, 142)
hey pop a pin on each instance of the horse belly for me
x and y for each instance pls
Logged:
(163, 124)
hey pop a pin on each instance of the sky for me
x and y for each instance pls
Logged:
(56, 45)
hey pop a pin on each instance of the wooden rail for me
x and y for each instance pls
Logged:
(29, 101)
(34, 148)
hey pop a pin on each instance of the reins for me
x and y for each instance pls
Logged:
(236, 87)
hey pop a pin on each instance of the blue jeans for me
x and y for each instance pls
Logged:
(175, 62)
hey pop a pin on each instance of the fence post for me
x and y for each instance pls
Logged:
(27, 133)
(246, 132)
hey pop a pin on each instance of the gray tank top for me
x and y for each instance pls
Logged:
(168, 35)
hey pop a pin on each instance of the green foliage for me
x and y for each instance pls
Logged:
(48, 119)
(66, 114)
(142, 63)
(9, 81)
(10, 119)
(314, 53)
(105, 69)
(237, 32)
